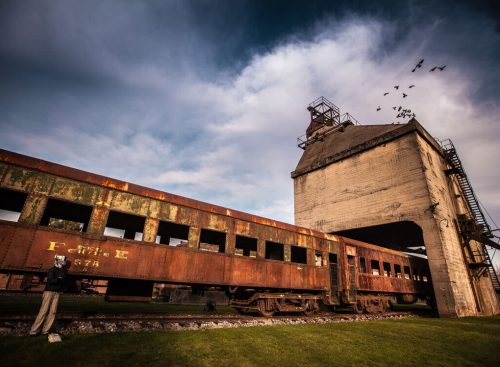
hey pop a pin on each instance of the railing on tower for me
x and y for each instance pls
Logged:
(325, 119)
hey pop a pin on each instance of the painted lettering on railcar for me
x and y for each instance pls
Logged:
(85, 263)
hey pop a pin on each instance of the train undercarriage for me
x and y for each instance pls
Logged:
(269, 303)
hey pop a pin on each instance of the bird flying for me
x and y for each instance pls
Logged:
(441, 67)
(386, 93)
(405, 95)
(419, 65)
(396, 87)
(378, 108)
(411, 86)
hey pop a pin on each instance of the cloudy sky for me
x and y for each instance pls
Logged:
(205, 99)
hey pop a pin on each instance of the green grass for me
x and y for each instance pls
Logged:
(92, 304)
(408, 342)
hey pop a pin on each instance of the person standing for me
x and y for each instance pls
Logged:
(50, 297)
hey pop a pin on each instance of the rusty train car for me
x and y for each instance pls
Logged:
(134, 236)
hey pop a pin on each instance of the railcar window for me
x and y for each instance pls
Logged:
(274, 251)
(246, 246)
(318, 258)
(172, 234)
(397, 270)
(375, 267)
(407, 272)
(213, 241)
(387, 269)
(66, 215)
(415, 274)
(11, 204)
(362, 265)
(124, 226)
(332, 258)
(298, 255)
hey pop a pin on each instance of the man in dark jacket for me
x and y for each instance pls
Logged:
(55, 286)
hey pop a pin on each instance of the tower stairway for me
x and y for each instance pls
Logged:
(482, 262)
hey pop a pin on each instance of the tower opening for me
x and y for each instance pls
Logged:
(403, 236)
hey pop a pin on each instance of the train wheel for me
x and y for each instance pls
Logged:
(264, 308)
(358, 308)
(311, 307)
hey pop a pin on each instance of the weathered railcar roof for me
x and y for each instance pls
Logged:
(351, 241)
(353, 139)
(40, 165)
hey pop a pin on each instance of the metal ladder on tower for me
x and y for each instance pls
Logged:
(468, 193)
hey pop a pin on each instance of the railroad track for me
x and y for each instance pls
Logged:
(111, 323)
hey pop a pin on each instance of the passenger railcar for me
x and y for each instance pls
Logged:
(134, 237)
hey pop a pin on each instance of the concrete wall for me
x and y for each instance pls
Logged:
(397, 181)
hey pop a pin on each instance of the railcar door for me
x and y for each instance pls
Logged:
(352, 274)
(334, 278)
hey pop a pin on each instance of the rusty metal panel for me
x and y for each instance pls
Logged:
(207, 268)
(17, 246)
(244, 271)
(154, 208)
(128, 203)
(334, 247)
(98, 220)
(287, 237)
(75, 191)
(270, 234)
(188, 216)
(28, 181)
(201, 269)
(301, 276)
(247, 229)
(168, 212)
(33, 209)
(150, 229)
(178, 261)
(305, 241)
(321, 278)
(193, 237)
(277, 274)
(350, 250)
(287, 253)
(216, 222)
(7, 231)
(188, 266)
(159, 262)
(144, 261)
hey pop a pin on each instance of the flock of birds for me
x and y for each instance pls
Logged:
(406, 112)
